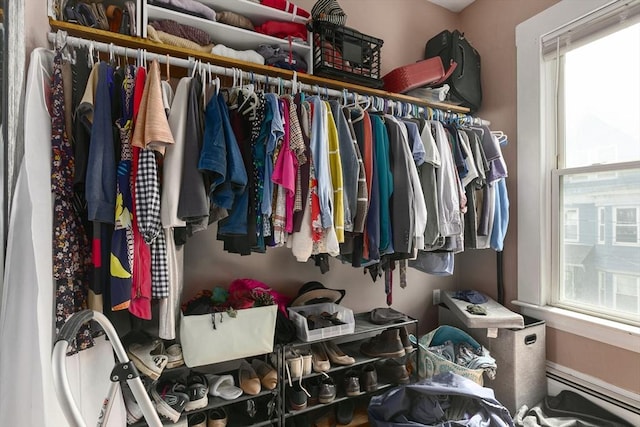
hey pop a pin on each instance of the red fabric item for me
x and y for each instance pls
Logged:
(242, 294)
(283, 30)
(140, 305)
(287, 6)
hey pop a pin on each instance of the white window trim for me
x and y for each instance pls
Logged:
(602, 225)
(534, 185)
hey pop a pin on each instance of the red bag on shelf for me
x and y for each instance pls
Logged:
(429, 72)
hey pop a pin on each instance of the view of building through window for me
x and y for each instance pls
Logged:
(599, 186)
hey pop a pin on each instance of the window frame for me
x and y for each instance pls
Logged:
(602, 225)
(534, 199)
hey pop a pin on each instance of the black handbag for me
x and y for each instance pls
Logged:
(464, 83)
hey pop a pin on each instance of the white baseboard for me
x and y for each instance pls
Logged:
(616, 400)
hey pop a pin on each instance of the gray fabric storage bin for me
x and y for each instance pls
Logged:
(520, 356)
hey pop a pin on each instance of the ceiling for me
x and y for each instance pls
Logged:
(452, 5)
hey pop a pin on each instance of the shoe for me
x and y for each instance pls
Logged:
(344, 411)
(369, 378)
(248, 379)
(327, 390)
(394, 372)
(386, 344)
(170, 399)
(223, 386)
(198, 390)
(307, 362)
(313, 387)
(351, 383)
(337, 356)
(149, 358)
(217, 418)
(320, 360)
(174, 356)
(404, 339)
(297, 397)
(197, 420)
(268, 376)
(134, 413)
(294, 363)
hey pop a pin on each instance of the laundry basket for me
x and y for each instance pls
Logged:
(430, 363)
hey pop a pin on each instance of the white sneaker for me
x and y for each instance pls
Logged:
(149, 358)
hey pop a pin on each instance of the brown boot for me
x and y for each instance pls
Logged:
(386, 344)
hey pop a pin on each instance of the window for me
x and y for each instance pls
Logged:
(626, 226)
(579, 167)
(626, 293)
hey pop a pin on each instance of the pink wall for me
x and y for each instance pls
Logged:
(490, 27)
(405, 26)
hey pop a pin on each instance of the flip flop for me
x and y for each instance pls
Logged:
(223, 386)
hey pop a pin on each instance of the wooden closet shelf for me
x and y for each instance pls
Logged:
(178, 52)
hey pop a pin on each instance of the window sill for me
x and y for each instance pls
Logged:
(602, 330)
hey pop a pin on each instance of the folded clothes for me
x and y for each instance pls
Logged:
(283, 30)
(188, 32)
(243, 55)
(278, 57)
(287, 6)
(191, 7)
(170, 39)
(474, 297)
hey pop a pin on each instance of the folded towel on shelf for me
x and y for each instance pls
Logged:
(191, 7)
(284, 30)
(242, 55)
(438, 94)
(188, 32)
(170, 39)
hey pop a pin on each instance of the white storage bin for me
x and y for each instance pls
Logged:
(305, 334)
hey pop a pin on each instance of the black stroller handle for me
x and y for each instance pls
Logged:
(72, 326)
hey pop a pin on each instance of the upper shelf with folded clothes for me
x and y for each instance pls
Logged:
(259, 13)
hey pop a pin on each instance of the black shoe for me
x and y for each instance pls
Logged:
(394, 372)
(386, 344)
(327, 390)
(297, 397)
(170, 399)
(344, 411)
(351, 383)
(369, 378)
(197, 389)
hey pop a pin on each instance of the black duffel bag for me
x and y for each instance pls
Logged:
(464, 83)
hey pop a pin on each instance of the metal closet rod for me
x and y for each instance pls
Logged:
(113, 49)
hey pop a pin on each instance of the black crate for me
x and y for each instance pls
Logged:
(345, 54)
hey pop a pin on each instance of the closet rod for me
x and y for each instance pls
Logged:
(114, 49)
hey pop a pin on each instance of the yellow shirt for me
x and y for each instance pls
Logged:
(335, 167)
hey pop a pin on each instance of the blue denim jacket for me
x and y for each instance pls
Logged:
(220, 155)
(101, 164)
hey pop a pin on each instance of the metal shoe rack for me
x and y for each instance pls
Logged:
(350, 344)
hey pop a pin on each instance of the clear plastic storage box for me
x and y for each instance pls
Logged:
(302, 328)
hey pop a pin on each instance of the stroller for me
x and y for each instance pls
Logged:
(123, 371)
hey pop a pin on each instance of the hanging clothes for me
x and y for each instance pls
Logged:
(28, 295)
(122, 249)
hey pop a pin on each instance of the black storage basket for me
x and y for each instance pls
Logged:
(343, 53)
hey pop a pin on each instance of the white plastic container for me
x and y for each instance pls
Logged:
(305, 334)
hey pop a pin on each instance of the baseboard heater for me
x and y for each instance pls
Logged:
(623, 403)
